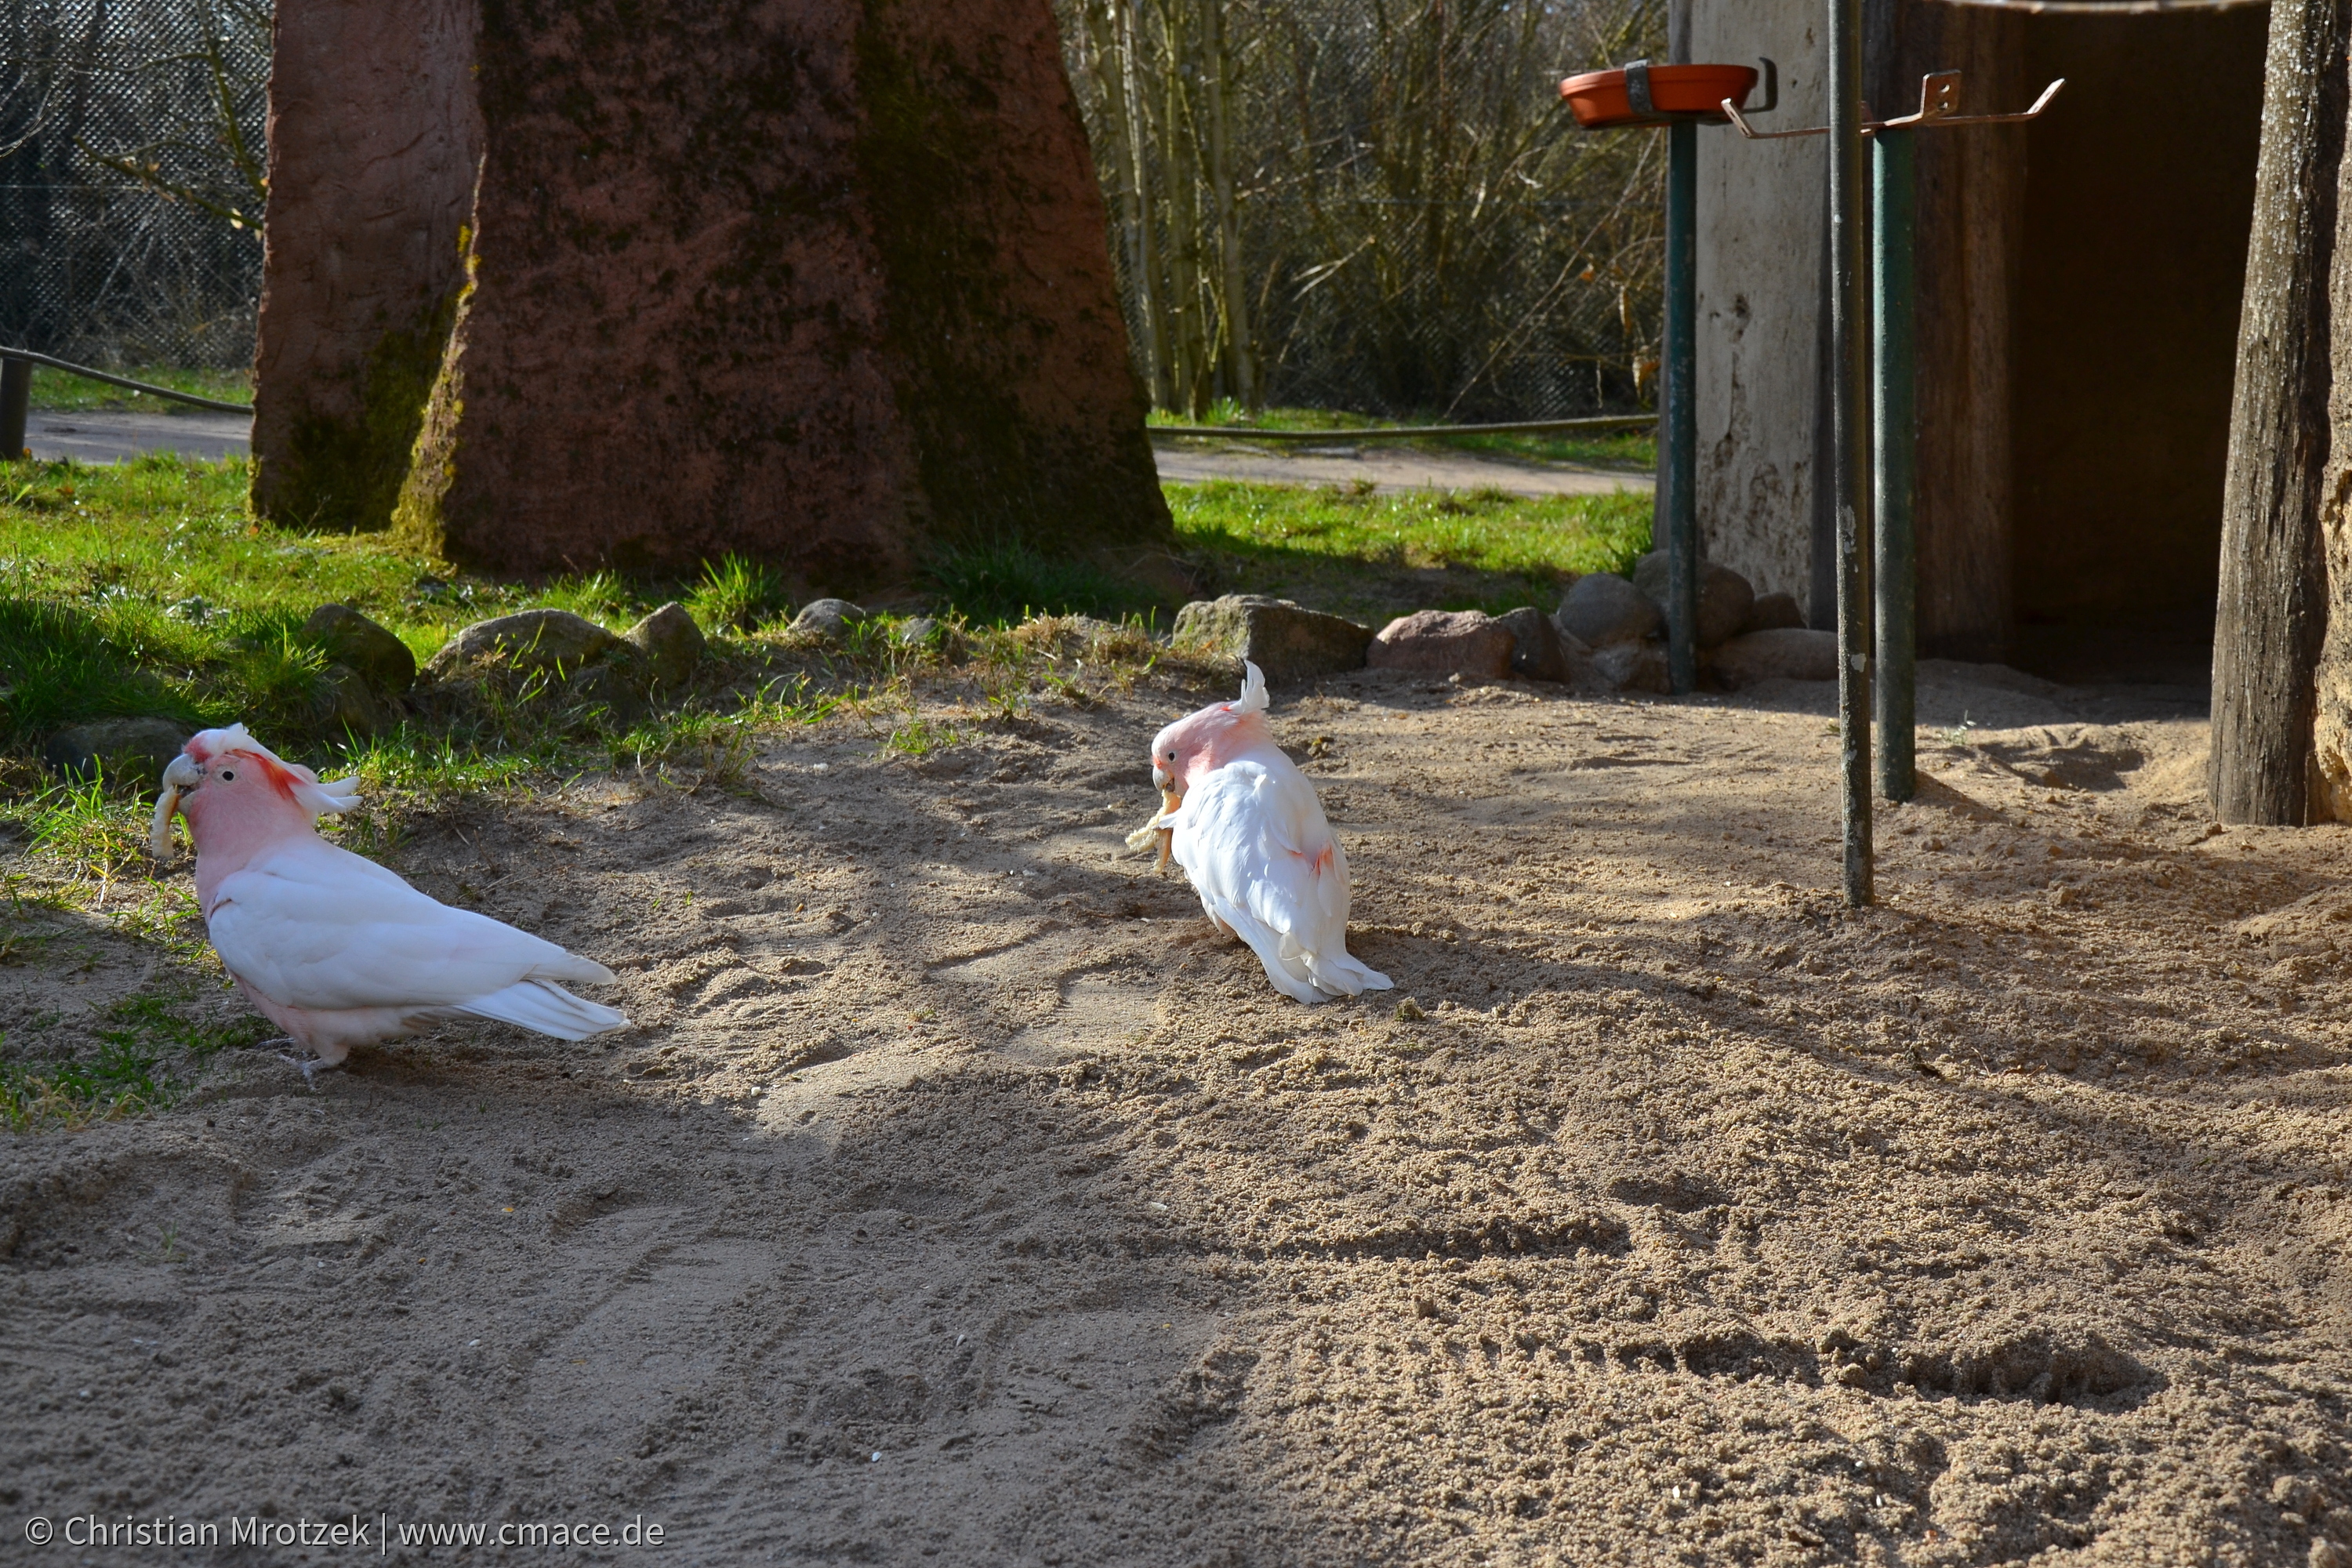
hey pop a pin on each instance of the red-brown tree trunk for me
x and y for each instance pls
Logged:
(372, 160)
(822, 284)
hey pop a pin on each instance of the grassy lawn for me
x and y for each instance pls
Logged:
(1633, 450)
(1374, 557)
(60, 393)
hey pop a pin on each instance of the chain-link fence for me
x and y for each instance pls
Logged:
(1376, 207)
(131, 178)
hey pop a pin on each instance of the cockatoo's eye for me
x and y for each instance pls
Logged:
(227, 777)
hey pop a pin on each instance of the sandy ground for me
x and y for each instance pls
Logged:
(961, 1199)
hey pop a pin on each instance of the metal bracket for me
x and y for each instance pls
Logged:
(1637, 89)
(1940, 105)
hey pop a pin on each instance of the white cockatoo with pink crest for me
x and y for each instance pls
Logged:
(329, 946)
(1244, 824)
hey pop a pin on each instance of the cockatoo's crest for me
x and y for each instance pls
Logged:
(292, 780)
(1253, 699)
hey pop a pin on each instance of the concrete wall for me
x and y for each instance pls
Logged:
(1762, 231)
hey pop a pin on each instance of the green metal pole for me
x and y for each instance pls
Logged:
(1850, 441)
(1895, 448)
(1678, 431)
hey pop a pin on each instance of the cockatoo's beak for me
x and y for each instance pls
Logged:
(182, 774)
(1161, 781)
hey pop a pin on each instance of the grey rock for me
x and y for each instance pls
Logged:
(1725, 597)
(917, 631)
(129, 750)
(342, 699)
(1772, 613)
(1603, 608)
(359, 644)
(1536, 652)
(1633, 666)
(668, 644)
(1469, 643)
(1287, 641)
(1788, 653)
(527, 640)
(827, 618)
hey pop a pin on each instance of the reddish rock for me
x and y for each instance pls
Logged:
(1444, 642)
(814, 283)
(372, 148)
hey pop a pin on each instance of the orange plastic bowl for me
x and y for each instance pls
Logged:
(1598, 98)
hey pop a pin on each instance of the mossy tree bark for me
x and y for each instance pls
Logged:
(372, 148)
(2273, 612)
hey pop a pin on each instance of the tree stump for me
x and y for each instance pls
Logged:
(372, 160)
(826, 284)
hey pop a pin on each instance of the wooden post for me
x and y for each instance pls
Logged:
(15, 403)
(2271, 614)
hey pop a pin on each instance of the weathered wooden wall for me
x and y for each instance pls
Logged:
(2077, 304)
(373, 142)
(2138, 203)
(1968, 239)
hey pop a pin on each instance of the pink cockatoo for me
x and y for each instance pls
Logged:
(1246, 825)
(333, 948)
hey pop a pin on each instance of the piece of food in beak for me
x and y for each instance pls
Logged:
(1154, 831)
(179, 774)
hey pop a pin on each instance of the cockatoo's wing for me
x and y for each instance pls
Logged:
(315, 927)
(1252, 837)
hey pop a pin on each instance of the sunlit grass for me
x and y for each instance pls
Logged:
(59, 391)
(1357, 552)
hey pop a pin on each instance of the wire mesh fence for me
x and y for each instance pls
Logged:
(1373, 206)
(131, 178)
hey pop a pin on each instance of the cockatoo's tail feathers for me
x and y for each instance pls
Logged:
(549, 1008)
(1253, 699)
(292, 780)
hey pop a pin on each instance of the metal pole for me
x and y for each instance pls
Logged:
(1678, 463)
(1849, 437)
(15, 400)
(1894, 447)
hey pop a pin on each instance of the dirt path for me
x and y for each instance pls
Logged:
(106, 437)
(960, 1200)
(1386, 468)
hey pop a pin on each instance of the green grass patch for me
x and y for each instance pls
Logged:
(1634, 450)
(1005, 582)
(150, 1049)
(1360, 553)
(60, 392)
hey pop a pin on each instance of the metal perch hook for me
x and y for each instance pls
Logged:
(1940, 106)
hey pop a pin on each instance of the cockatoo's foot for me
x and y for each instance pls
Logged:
(310, 1067)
